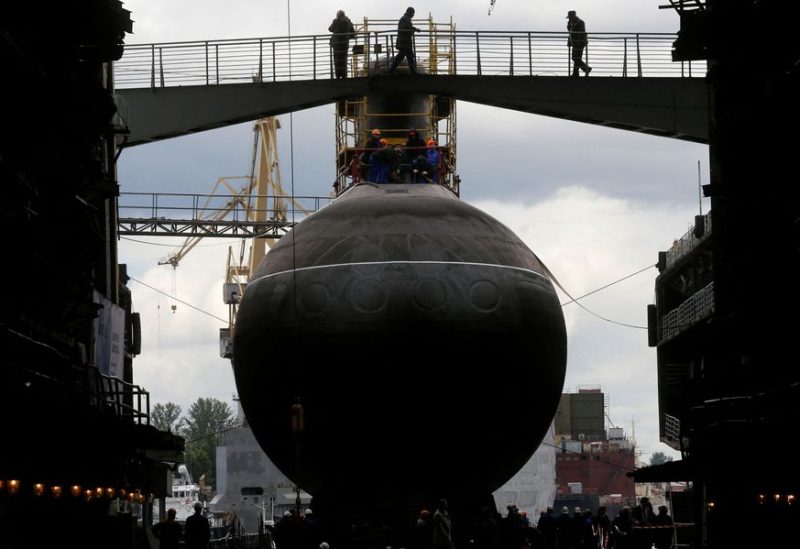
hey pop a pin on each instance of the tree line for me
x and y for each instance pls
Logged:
(201, 427)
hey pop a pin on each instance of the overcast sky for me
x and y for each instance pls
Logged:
(595, 204)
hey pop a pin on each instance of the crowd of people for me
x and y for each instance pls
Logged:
(632, 528)
(637, 527)
(416, 161)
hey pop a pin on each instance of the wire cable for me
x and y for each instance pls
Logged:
(225, 320)
(169, 245)
(575, 299)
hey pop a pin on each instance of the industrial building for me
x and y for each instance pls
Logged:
(593, 456)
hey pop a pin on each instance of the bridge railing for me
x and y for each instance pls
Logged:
(309, 57)
(213, 215)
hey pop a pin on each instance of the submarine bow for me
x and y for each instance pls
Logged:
(422, 337)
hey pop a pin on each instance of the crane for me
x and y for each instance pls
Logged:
(260, 197)
(267, 184)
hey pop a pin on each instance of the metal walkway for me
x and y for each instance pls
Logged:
(171, 89)
(482, 53)
(207, 215)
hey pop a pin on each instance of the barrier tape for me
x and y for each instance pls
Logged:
(673, 525)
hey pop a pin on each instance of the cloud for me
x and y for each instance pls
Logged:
(589, 240)
(180, 359)
(180, 20)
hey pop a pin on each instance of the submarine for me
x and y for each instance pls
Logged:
(399, 345)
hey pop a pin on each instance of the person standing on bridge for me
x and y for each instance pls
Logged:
(343, 30)
(405, 42)
(577, 41)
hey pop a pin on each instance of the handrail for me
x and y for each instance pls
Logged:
(126, 400)
(297, 58)
(209, 214)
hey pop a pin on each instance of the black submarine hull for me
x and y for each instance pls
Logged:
(422, 337)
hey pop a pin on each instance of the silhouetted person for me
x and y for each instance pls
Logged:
(576, 527)
(198, 530)
(343, 30)
(662, 537)
(642, 515)
(512, 529)
(602, 527)
(442, 527)
(312, 534)
(168, 531)
(564, 528)
(423, 531)
(588, 537)
(577, 41)
(547, 526)
(405, 42)
(485, 530)
(415, 145)
(621, 529)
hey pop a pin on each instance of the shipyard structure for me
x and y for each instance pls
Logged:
(79, 461)
(592, 456)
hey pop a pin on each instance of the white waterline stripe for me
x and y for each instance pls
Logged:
(364, 263)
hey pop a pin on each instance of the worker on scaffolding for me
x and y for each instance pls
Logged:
(373, 144)
(381, 163)
(434, 158)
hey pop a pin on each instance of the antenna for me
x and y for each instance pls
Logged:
(699, 189)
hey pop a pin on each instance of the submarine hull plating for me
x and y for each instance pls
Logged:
(424, 340)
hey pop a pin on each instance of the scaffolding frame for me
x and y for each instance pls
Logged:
(353, 126)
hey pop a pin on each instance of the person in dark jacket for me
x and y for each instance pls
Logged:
(415, 145)
(372, 145)
(198, 530)
(343, 30)
(168, 532)
(442, 527)
(381, 163)
(405, 42)
(577, 41)
(662, 537)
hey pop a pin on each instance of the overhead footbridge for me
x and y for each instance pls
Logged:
(172, 89)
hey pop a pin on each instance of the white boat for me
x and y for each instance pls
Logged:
(184, 494)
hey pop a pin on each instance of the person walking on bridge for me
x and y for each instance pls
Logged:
(577, 40)
(343, 30)
(405, 42)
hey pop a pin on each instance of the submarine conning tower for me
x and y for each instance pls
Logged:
(395, 114)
